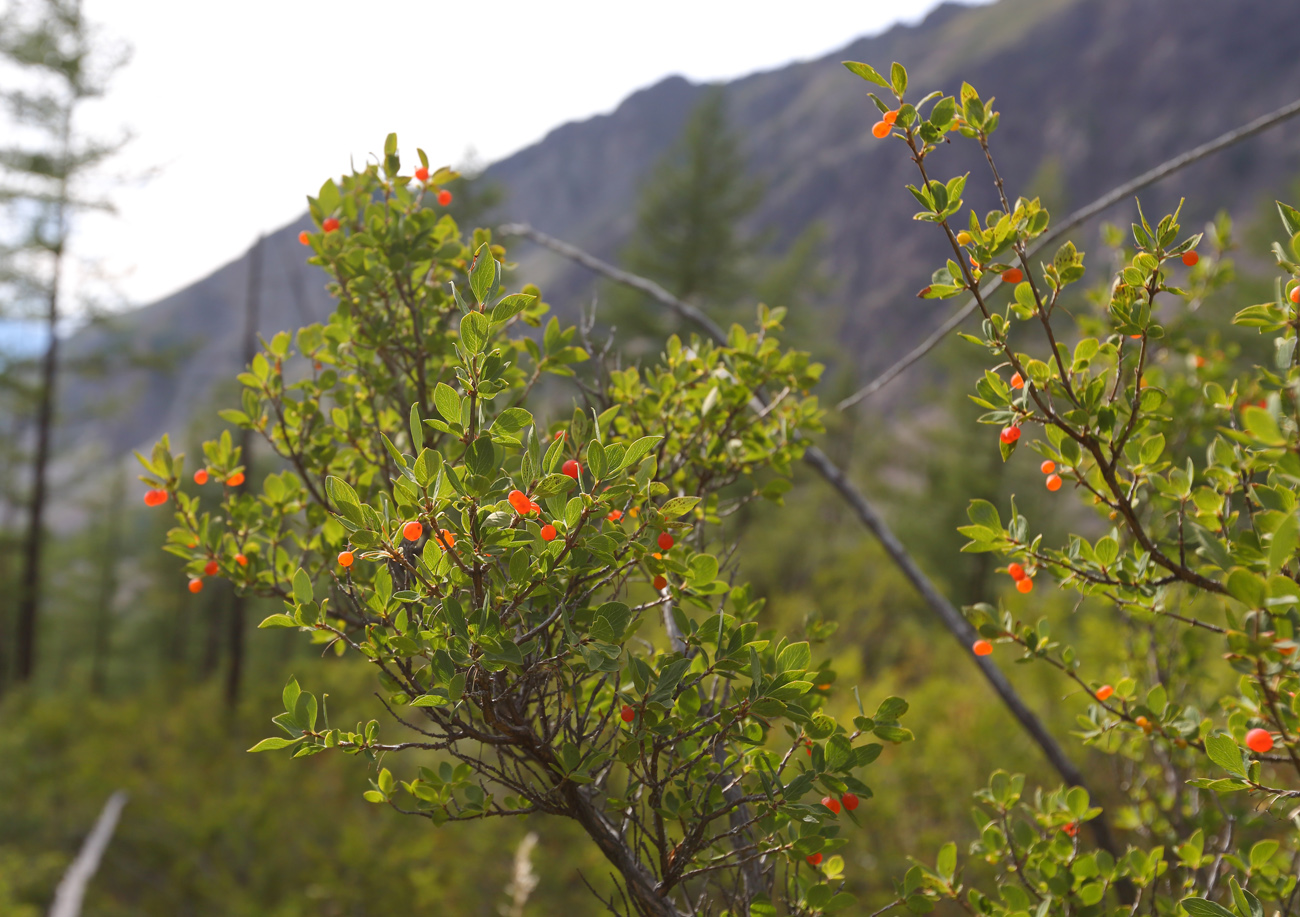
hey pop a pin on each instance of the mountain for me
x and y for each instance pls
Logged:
(1093, 91)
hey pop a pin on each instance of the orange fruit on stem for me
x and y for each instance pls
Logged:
(890, 117)
(345, 558)
(201, 476)
(1190, 258)
(850, 801)
(422, 174)
(1104, 692)
(831, 803)
(196, 585)
(1013, 275)
(444, 197)
(1009, 435)
(412, 531)
(981, 648)
(814, 859)
(304, 237)
(235, 479)
(211, 568)
(660, 583)
(329, 224)
(881, 129)
(155, 497)
(1025, 585)
(241, 560)
(1259, 741)
(1017, 381)
(1295, 294)
(519, 500)
(665, 541)
(548, 532)
(1016, 572)
(571, 468)
(1047, 467)
(615, 515)
(1053, 482)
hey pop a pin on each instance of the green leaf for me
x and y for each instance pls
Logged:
(1247, 587)
(867, 72)
(474, 331)
(1204, 907)
(639, 450)
(946, 864)
(302, 591)
(1261, 424)
(1283, 546)
(553, 485)
(1223, 751)
(430, 700)
(982, 512)
(275, 743)
(278, 621)
(796, 656)
(417, 429)
(511, 306)
(678, 505)
(447, 402)
(898, 78)
(1290, 218)
(482, 273)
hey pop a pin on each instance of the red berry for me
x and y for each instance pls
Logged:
(446, 539)
(519, 500)
(628, 714)
(330, 224)
(1017, 381)
(1190, 258)
(1104, 692)
(345, 558)
(831, 803)
(1025, 585)
(881, 129)
(1053, 482)
(412, 531)
(1047, 467)
(1071, 829)
(444, 197)
(548, 533)
(155, 497)
(814, 859)
(571, 468)
(1010, 434)
(661, 582)
(981, 648)
(210, 568)
(1295, 294)
(241, 560)
(665, 541)
(1259, 741)
(850, 801)
(201, 476)
(1013, 275)
(1017, 572)
(422, 174)
(615, 515)
(304, 237)
(196, 585)
(235, 479)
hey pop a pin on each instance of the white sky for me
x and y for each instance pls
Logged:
(245, 106)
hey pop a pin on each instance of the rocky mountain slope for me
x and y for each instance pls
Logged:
(1094, 91)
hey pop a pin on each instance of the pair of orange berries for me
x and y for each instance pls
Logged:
(849, 800)
(1024, 582)
(885, 124)
(522, 504)
(1053, 479)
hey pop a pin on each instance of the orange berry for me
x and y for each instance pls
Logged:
(1104, 692)
(571, 468)
(814, 859)
(446, 539)
(665, 541)
(235, 479)
(1047, 467)
(615, 515)
(422, 174)
(519, 500)
(1295, 294)
(444, 197)
(1071, 829)
(1190, 258)
(241, 560)
(196, 585)
(412, 531)
(346, 558)
(155, 497)
(1259, 741)
(329, 224)
(1143, 723)
(1016, 572)
(1017, 381)
(1053, 482)
(831, 803)
(890, 117)
(660, 583)
(1009, 435)
(627, 713)
(201, 476)
(548, 532)
(1198, 361)
(881, 129)
(1013, 275)
(963, 238)
(304, 237)
(210, 568)
(850, 801)
(1025, 585)
(981, 648)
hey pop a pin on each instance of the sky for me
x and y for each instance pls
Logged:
(240, 109)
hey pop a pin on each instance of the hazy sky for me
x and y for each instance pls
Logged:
(243, 107)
